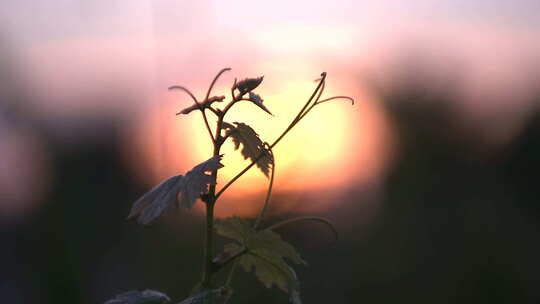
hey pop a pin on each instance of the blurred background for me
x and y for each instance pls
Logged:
(430, 177)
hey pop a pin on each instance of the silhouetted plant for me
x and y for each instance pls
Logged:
(254, 249)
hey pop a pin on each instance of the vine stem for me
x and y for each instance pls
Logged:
(257, 222)
(209, 267)
(209, 245)
(207, 281)
(268, 193)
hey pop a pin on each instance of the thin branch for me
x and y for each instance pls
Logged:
(319, 86)
(198, 105)
(227, 135)
(306, 218)
(307, 111)
(325, 100)
(321, 91)
(269, 192)
(316, 100)
(300, 115)
(213, 111)
(232, 88)
(214, 82)
(177, 87)
(219, 126)
(209, 244)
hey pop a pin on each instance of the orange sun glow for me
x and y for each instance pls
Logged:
(324, 151)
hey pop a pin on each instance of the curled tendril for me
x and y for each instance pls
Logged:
(177, 87)
(233, 87)
(336, 97)
(214, 81)
(187, 91)
(307, 218)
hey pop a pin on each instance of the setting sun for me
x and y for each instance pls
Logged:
(324, 151)
(323, 130)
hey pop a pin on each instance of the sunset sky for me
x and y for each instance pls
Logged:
(68, 52)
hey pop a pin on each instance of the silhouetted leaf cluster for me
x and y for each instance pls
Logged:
(262, 252)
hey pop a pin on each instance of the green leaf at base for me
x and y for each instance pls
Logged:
(266, 254)
(235, 228)
(267, 243)
(269, 269)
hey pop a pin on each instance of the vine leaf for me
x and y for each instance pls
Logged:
(218, 295)
(160, 198)
(248, 84)
(265, 242)
(256, 99)
(139, 297)
(268, 243)
(235, 228)
(266, 254)
(270, 270)
(197, 180)
(252, 146)
(205, 104)
(177, 191)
